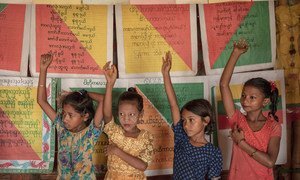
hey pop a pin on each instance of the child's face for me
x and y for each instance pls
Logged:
(192, 123)
(129, 115)
(73, 120)
(252, 99)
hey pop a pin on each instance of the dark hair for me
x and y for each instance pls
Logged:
(81, 102)
(269, 90)
(132, 95)
(202, 108)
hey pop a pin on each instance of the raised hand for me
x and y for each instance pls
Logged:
(110, 72)
(241, 46)
(46, 60)
(166, 63)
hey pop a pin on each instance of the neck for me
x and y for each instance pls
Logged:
(78, 128)
(255, 116)
(132, 133)
(200, 139)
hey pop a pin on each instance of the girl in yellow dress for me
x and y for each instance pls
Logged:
(130, 148)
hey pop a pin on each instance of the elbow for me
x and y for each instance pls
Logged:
(223, 84)
(143, 167)
(270, 164)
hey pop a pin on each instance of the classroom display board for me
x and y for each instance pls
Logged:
(14, 38)
(146, 32)
(223, 23)
(157, 115)
(27, 138)
(236, 86)
(78, 36)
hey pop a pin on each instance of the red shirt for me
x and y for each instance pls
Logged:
(243, 166)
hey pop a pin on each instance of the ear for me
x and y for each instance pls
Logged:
(266, 101)
(206, 120)
(85, 116)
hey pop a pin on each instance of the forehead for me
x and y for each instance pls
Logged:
(128, 106)
(69, 108)
(185, 113)
(252, 90)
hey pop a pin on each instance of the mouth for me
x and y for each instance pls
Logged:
(126, 125)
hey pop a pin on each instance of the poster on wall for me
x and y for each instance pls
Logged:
(97, 86)
(236, 85)
(146, 32)
(27, 138)
(223, 23)
(157, 115)
(14, 38)
(78, 36)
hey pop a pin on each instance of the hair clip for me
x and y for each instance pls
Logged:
(273, 86)
(82, 92)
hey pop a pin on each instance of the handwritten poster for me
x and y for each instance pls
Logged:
(96, 85)
(56, 2)
(153, 2)
(146, 32)
(157, 115)
(223, 23)
(236, 86)
(78, 36)
(14, 38)
(16, 1)
(26, 135)
(111, 2)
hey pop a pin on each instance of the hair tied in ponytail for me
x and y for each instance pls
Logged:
(82, 92)
(132, 89)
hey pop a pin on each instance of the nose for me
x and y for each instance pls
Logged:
(65, 118)
(185, 125)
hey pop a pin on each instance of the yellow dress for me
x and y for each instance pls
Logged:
(141, 147)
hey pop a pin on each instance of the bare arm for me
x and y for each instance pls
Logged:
(133, 161)
(45, 61)
(268, 158)
(99, 110)
(165, 69)
(239, 48)
(110, 73)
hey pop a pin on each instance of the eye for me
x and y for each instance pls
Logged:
(192, 120)
(132, 114)
(121, 114)
(243, 96)
(252, 97)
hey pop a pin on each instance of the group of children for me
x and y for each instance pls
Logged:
(256, 137)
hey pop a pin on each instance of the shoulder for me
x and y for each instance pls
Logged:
(274, 126)
(213, 148)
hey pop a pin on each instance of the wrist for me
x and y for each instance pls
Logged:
(241, 140)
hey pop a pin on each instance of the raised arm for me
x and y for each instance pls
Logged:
(165, 69)
(239, 48)
(99, 110)
(110, 73)
(45, 61)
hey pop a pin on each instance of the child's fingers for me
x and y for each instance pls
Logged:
(107, 65)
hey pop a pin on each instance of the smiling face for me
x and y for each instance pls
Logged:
(252, 99)
(193, 124)
(73, 120)
(129, 115)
